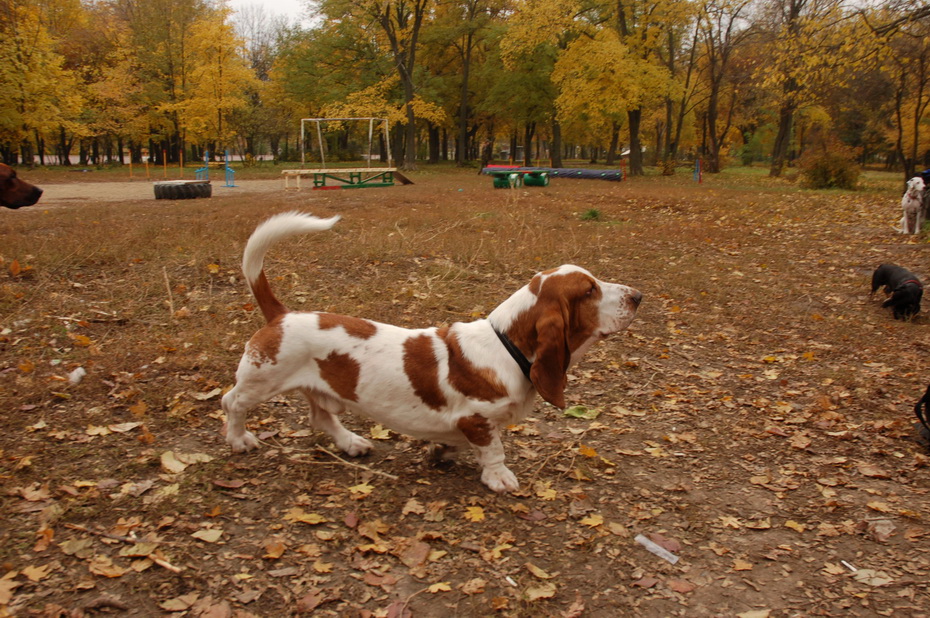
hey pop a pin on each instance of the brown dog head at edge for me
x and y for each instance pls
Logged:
(15, 192)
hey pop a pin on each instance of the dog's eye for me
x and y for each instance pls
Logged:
(591, 290)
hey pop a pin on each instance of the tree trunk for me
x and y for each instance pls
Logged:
(712, 160)
(460, 151)
(669, 153)
(433, 143)
(397, 144)
(636, 151)
(528, 130)
(556, 148)
(410, 136)
(782, 141)
(40, 147)
(614, 140)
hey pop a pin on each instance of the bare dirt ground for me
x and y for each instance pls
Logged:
(756, 419)
(66, 194)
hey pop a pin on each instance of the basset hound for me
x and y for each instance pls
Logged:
(457, 385)
(15, 192)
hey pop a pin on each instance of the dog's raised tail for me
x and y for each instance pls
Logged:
(265, 235)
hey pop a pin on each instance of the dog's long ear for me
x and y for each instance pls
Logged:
(552, 357)
(922, 410)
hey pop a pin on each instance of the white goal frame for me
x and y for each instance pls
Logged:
(372, 121)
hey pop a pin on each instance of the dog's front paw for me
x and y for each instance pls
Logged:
(355, 446)
(500, 479)
(245, 442)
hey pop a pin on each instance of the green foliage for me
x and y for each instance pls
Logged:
(592, 214)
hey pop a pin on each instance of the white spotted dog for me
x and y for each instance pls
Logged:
(912, 206)
(455, 386)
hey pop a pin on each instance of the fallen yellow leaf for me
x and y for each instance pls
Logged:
(380, 433)
(543, 591)
(741, 565)
(35, 574)
(593, 521)
(361, 490)
(297, 515)
(274, 549)
(794, 525)
(538, 572)
(210, 536)
(474, 514)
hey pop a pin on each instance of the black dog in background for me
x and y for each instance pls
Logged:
(905, 288)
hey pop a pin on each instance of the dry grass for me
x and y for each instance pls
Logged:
(755, 298)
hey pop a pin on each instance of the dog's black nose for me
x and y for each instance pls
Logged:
(637, 297)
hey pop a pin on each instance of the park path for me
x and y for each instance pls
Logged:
(78, 192)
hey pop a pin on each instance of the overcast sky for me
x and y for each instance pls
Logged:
(292, 9)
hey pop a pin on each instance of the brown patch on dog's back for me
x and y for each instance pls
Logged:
(354, 327)
(475, 382)
(535, 284)
(476, 428)
(265, 344)
(422, 369)
(341, 372)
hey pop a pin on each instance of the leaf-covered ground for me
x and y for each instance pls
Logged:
(755, 420)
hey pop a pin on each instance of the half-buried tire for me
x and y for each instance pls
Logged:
(182, 189)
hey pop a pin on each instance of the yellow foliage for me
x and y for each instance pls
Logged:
(599, 79)
(38, 93)
(375, 101)
(220, 81)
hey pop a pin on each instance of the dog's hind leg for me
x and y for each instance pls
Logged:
(441, 453)
(323, 410)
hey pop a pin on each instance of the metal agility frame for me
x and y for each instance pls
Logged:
(346, 178)
(385, 128)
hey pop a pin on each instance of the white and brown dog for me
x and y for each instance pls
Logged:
(455, 386)
(912, 206)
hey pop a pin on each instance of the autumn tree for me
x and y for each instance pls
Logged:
(541, 29)
(679, 56)
(394, 28)
(469, 20)
(263, 35)
(523, 93)
(220, 81)
(592, 67)
(39, 93)
(642, 26)
(401, 21)
(723, 29)
(810, 47)
(903, 33)
(160, 34)
(342, 64)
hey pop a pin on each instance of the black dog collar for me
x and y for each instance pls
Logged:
(515, 353)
